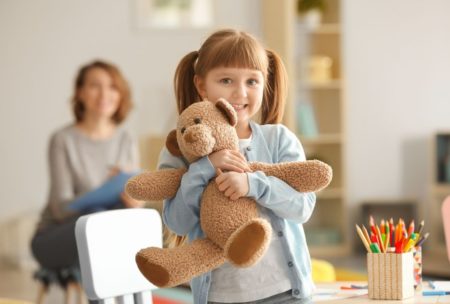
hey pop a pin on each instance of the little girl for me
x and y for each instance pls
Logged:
(234, 65)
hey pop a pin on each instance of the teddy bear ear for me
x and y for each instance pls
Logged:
(227, 110)
(172, 143)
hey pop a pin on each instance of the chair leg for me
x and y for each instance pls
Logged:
(68, 293)
(42, 292)
(75, 291)
(82, 299)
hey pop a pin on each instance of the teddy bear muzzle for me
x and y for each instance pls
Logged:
(198, 140)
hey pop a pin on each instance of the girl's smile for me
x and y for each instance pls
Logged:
(239, 107)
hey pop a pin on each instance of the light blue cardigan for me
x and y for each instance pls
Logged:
(288, 209)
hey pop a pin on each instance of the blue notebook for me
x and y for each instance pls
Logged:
(104, 197)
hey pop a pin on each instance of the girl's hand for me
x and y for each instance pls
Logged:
(130, 202)
(233, 184)
(229, 160)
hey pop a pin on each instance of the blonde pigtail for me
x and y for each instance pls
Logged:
(272, 109)
(185, 91)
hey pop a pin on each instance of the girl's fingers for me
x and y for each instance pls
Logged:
(238, 163)
(220, 178)
(235, 196)
(229, 192)
(224, 186)
(239, 154)
(222, 182)
(231, 167)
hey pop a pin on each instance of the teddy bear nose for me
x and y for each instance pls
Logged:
(198, 140)
(189, 137)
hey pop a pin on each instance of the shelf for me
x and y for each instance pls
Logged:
(334, 84)
(324, 251)
(323, 139)
(316, 108)
(330, 193)
(327, 29)
(441, 189)
(434, 261)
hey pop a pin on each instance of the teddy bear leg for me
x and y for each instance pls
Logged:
(168, 267)
(248, 243)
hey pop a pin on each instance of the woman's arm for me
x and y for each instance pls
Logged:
(62, 191)
(182, 212)
(274, 193)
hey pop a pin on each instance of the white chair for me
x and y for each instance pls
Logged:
(107, 244)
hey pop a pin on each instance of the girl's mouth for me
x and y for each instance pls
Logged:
(239, 107)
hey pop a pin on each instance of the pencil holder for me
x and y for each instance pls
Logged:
(390, 275)
(417, 256)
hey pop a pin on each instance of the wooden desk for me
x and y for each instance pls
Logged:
(364, 299)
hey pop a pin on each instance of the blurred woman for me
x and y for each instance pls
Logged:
(82, 156)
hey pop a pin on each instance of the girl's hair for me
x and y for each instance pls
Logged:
(232, 48)
(119, 82)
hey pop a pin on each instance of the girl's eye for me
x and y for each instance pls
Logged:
(225, 80)
(252, 82)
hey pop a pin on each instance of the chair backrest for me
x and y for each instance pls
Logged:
(107, 244)
(446, 222)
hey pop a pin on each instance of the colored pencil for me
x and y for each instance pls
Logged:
(363, 238)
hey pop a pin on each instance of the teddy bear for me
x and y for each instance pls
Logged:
(234, 231)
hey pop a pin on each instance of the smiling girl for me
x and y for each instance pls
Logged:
(233, 65)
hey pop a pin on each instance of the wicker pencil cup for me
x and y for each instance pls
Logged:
(390, 275)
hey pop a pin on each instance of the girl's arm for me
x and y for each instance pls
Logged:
(182, 212)
(274, 193)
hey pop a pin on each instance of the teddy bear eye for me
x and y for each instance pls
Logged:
(182, 130)
(197, 120)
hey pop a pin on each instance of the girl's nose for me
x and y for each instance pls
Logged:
(240, 91)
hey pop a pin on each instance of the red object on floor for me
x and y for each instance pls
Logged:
(159, 300)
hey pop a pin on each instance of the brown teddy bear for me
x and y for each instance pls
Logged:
(234, 231)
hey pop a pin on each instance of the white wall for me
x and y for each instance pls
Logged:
(397, 60)
(42, 44)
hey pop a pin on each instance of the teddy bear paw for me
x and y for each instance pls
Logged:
(247, 245)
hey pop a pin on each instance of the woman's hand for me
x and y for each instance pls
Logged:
(113, 171)
(229, 160)
(130, 202)
(233, 184)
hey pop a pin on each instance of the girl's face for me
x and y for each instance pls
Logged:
(99, 94)
(242, 88)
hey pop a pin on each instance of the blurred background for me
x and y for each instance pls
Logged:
(369, 94)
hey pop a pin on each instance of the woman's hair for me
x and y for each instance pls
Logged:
(232, 48)
(125, 103)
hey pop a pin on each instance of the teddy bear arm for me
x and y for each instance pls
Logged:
(303, 176)
(155, 185)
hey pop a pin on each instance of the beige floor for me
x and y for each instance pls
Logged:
(15, 284)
